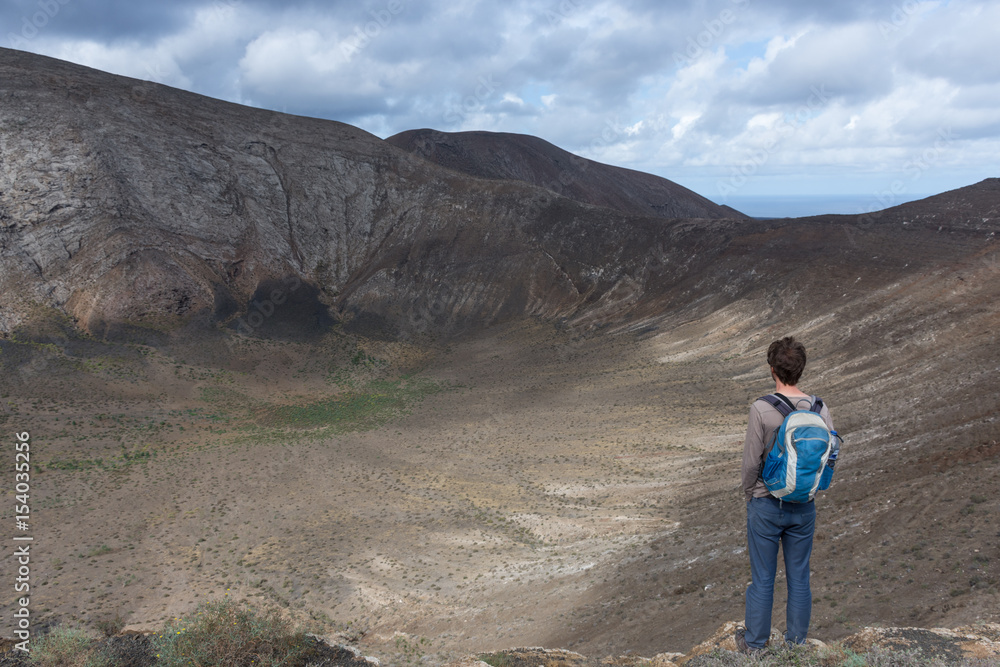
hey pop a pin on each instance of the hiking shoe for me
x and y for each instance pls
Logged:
(741, 643)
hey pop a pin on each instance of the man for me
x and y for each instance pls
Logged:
(771, 521)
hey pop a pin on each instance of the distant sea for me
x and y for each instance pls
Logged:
(800, 206)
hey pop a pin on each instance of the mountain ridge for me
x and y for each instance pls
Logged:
(136, 207)
(529, 159)
(150, 204)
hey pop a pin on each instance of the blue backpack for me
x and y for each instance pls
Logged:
(802, 452)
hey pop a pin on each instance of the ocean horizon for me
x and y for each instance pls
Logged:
(800, 206)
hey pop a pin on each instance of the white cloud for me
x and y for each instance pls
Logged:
(149, 63)
(840, 58)
(599, 78)
(683, 125)
(958, 43)
(290, 60)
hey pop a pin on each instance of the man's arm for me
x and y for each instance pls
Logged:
(753, 451)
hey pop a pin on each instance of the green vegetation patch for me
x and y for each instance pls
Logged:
(351, 410)
(356, 406)
(120, 462)
(62, 646)
(224, 633)
(497, 659)
(227, 399)
(227, 632)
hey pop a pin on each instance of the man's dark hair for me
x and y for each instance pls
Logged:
(787, 357)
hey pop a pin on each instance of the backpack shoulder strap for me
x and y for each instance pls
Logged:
(779, 403)
(817, 406)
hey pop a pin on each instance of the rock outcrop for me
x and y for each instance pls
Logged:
(978, 645)
(952, 647)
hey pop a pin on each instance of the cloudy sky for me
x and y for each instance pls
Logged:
(880, 99)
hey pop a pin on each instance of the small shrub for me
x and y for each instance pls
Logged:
(496, 659)
(230, 634)
(99, 551)
(63, 647)
(111, 626)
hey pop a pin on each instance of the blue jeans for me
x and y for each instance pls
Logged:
(770, 522)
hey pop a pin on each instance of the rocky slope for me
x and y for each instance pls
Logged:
(133, 206)
(127, 203)
(535, 161)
